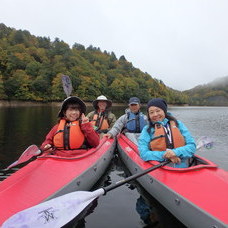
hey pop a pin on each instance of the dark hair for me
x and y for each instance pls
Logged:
(72, 105)
(151, 124)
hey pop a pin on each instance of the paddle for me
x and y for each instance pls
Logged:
(33, 150)
(59, 211)
(204, 141)
(30, 152)
(67, 85)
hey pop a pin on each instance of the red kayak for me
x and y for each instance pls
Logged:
(50, 176)
(197, 195)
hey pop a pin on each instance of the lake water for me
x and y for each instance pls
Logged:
(124, 206)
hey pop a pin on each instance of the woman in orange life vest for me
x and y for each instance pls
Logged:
(165, 137)
(73, 131)
(102, 118)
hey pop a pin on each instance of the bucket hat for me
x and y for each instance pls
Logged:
(71, 100)
(102, 98)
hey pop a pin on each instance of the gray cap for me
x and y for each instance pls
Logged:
(134, 100)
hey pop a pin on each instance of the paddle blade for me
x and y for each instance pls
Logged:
(30, 152)
(204, 141)
(67, 85)
(55, 212)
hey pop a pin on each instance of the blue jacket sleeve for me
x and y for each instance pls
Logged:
(143, 145)
(189, 149)
(184, 152)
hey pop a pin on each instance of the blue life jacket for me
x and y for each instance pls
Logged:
(135, 122)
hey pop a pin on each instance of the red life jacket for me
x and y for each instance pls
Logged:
(68, 136)
(160, 143)
(100, 122)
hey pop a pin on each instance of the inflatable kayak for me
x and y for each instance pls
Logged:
(50, 176)
(196, 195)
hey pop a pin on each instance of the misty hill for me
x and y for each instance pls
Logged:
(31, 69)
(213, 93)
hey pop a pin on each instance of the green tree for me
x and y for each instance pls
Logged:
(78, 46)
(3, 60)
(2, 90)
(40, 88)
(33, 68)
(44, 42)
(60, 48)
(89, 89)
(17, 86)
(122, 58)
(113, 56)
(4, 31)
(58, 65)
(57, 88)
(117, 89)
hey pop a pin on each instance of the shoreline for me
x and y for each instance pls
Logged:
(4, 103)
(18, 103)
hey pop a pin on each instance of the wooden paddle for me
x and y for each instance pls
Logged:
(59, 211)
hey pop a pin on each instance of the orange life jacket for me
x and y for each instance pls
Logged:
(68, 136)
(160, 140)
(100, 122)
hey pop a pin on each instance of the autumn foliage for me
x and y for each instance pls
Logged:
(31, 69)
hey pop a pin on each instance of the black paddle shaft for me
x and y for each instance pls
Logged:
(133, 177)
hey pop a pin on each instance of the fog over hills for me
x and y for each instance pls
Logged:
(212, 93)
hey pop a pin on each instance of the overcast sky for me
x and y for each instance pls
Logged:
(184, 43)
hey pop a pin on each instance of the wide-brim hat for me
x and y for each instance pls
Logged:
(102, 98)
(71, 100)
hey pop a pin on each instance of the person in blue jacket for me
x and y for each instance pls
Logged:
(165, 138)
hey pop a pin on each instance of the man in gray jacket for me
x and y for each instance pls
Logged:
(131, 123)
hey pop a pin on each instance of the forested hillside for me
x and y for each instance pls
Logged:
(213, 93)
(31, 69)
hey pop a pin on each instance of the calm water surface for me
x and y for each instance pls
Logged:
(126, 206)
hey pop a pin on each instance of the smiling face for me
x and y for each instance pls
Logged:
(102, 105)
(134, 107)
(72, 113)
(156, 114)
